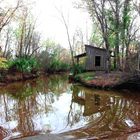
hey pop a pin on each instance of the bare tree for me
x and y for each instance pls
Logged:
(6, 15)
(28, 39)
(137, 6)
(78, 42)
(35, 44)
(7, 47)
(63, 19)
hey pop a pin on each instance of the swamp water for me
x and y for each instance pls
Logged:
(53, 105)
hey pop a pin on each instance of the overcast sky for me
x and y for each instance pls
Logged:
(49, 19)
(49, 22)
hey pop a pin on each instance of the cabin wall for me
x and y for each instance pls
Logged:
(91, 54)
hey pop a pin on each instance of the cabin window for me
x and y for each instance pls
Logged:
(97, 61)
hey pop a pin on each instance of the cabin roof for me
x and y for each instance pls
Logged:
(80, 55)
(91, 46)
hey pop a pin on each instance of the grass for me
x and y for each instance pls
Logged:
(86, 76)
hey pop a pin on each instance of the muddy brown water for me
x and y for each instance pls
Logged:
(52, 105)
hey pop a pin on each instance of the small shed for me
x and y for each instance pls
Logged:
(96, 58)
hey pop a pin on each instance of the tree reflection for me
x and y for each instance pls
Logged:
(105, 114)
(29, 107)
(24, 102)
(74, 115)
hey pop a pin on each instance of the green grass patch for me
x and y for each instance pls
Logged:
(86, 76)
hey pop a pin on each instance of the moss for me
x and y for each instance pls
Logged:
(85, 76)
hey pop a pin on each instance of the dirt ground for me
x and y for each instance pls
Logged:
(106, 80)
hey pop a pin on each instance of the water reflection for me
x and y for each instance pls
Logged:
(107, 114)
(52, 105)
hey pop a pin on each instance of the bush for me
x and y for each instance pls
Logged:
(24, 64)
(54, 66)
(64, 66)
(77, 69)
(57, 65)
(3, 63)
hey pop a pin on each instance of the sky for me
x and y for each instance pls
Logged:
(49, 22)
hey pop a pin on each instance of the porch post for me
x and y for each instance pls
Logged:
(77, 60)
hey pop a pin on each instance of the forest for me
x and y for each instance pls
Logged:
(115, 27)
(85, 89)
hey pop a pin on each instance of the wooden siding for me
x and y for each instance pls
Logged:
(92, 52)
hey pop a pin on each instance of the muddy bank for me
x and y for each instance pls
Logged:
(7, 77)
(113, 80)
(135, 136)
(46, 137)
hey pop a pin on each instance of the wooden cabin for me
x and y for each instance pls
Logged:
(96, 58)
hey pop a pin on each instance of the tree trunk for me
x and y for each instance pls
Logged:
(117, 25)
(108, 55)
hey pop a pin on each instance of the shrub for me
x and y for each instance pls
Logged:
(77, 69)
(64, 66)
(54, 65)
(3, 63)
(24, 64)
(57, 65)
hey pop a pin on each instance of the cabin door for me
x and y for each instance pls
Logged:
(97, 61)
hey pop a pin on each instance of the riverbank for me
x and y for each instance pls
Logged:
(45, 137)
(8, 78)
(113, 80)
(129, 136)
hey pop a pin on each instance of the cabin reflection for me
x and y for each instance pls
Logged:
(35, 107)
(92, 102)
(105, 114)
